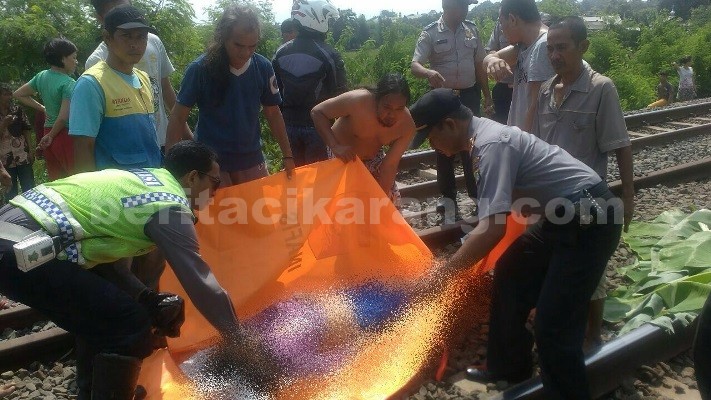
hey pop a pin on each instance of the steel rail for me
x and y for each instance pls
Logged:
(427, 157)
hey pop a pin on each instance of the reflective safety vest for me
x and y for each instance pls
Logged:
(127, 135)
(100, 216)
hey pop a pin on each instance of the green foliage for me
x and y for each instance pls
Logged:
(604, 51)
(559, 8)
(672, 278)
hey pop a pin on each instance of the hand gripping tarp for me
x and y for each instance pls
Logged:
(328, 228)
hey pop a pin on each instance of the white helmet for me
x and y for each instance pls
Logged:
(314, 14)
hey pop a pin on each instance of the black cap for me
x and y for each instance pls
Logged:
(125, 17)
(430, 109)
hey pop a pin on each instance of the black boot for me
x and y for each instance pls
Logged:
(115, 377)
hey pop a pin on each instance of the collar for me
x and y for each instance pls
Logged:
(241, 71)
(582, 84)
(442, 27)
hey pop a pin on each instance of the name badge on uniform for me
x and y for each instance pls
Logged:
(441, 41)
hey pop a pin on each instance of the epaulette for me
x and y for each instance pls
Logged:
(430, 26)
(472, 23)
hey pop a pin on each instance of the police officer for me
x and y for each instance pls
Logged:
(452, 47)
(100, 217)
(554, 266)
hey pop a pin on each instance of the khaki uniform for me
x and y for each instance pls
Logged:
(452, 54)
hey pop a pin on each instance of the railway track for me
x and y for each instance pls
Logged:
(52, 343)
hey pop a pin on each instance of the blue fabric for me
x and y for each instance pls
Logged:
(375, 304)
(121, 142)
(87, 107)
(306, 145)
(23, 175)
(230, 126)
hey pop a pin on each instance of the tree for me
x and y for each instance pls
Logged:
(559, 8)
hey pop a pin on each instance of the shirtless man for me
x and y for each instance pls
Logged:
(367, 120)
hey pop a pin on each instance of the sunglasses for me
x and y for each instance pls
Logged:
(216, 181)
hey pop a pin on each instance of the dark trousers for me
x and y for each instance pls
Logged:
(702, 351)
(501, 97)
(554, 268)
(23, 175)
(471, 98)
(306, 145)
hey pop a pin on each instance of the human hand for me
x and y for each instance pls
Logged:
(628, 203)
(45, 142)
(435, 79)
(167, 311)
(497, 68)
(345, 153)
(488, 106)
(289, 166)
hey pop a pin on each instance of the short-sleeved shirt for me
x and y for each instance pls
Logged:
(665, 91)
(533, 65)
(452, 54)
(588, 123)
(88, 104)
(157, 65)
(513, 165)
(53, 87)
(498, 41)
(686, 77)
(14, 149)
(230, 125)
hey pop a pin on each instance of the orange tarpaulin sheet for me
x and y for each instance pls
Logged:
(329, 227)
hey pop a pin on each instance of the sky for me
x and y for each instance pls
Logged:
(370, 8)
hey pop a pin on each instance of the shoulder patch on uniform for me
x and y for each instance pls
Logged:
(146, 177)
(273, 84)
(504, 135)
(423, 37)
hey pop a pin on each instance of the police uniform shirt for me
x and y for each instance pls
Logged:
(452, 54)
(513, 164)
(588, 123)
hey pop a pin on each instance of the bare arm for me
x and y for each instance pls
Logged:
(168, 94)
(59, 124)
(5, 178)
(435, 79)
(481, 240)
(325, 112)
(498, 64)
(84, 154)
(624, 163)
(24, 95)
(278, 130)
(482, 79)
(178, 126)
(532, 109)
(388, 169)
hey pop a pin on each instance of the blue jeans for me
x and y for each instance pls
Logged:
(23, 175)
(306, 145)
(555, 269)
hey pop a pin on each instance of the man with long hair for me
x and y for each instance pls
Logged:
(366, 120)
(230, 83)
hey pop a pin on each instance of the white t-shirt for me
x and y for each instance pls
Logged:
(686, 77)
(157, 65)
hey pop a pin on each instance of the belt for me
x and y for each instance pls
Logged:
(459, 92)
(598, 190)
(12, 232)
